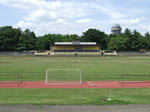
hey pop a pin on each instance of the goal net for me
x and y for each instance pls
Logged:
(63, 76)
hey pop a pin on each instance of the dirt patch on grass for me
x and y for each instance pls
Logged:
(75, 62)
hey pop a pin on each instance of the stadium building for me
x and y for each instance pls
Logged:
(75, 47)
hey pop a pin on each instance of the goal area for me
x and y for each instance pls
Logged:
(63, 76)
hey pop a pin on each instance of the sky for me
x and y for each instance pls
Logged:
(75, 16)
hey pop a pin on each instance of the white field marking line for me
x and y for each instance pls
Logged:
(133, 81)
(64, 69)
(46, 77)
(100, 84)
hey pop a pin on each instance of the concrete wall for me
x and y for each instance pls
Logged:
(16, 53)
(32, 54)
(133, 53)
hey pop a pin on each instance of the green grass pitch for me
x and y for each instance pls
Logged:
(93, 69)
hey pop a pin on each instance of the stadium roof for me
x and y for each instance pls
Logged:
(75, 43)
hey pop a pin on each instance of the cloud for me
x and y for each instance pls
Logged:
(86, 20)
(25, 25)
(40, 16)
(74, 16)
(109, 10)
(64, 27)
(49, 17)
(132, 21)
(22, 4)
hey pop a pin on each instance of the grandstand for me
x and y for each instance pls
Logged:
(75, 47)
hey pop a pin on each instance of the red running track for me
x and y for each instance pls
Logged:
(85, 84)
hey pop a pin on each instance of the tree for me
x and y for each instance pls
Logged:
(134, 41)
(14, 39)
(40, 44)
(94, 35)
(27, 41)
(9, 38)
(127, 34)
(147, 41)
(44, 42)
(117, 43)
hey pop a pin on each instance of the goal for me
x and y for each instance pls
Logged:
(63, 76)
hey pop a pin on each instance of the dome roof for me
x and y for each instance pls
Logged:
(116, 26)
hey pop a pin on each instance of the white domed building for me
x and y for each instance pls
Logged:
(116, 29)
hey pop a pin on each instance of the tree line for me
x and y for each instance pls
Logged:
(14, 39)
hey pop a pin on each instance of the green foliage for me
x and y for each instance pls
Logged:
(9, 38)
(44, 42)
(134, 41)
(94, 35)
(27, 41)
(146, 41)
(14, 39)
(118, 43)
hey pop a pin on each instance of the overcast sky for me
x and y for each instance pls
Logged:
(75, 16)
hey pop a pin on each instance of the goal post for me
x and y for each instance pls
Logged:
(63, 76)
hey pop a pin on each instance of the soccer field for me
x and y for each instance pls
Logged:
(93, 69)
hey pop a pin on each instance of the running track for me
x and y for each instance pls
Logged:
(85, 84)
